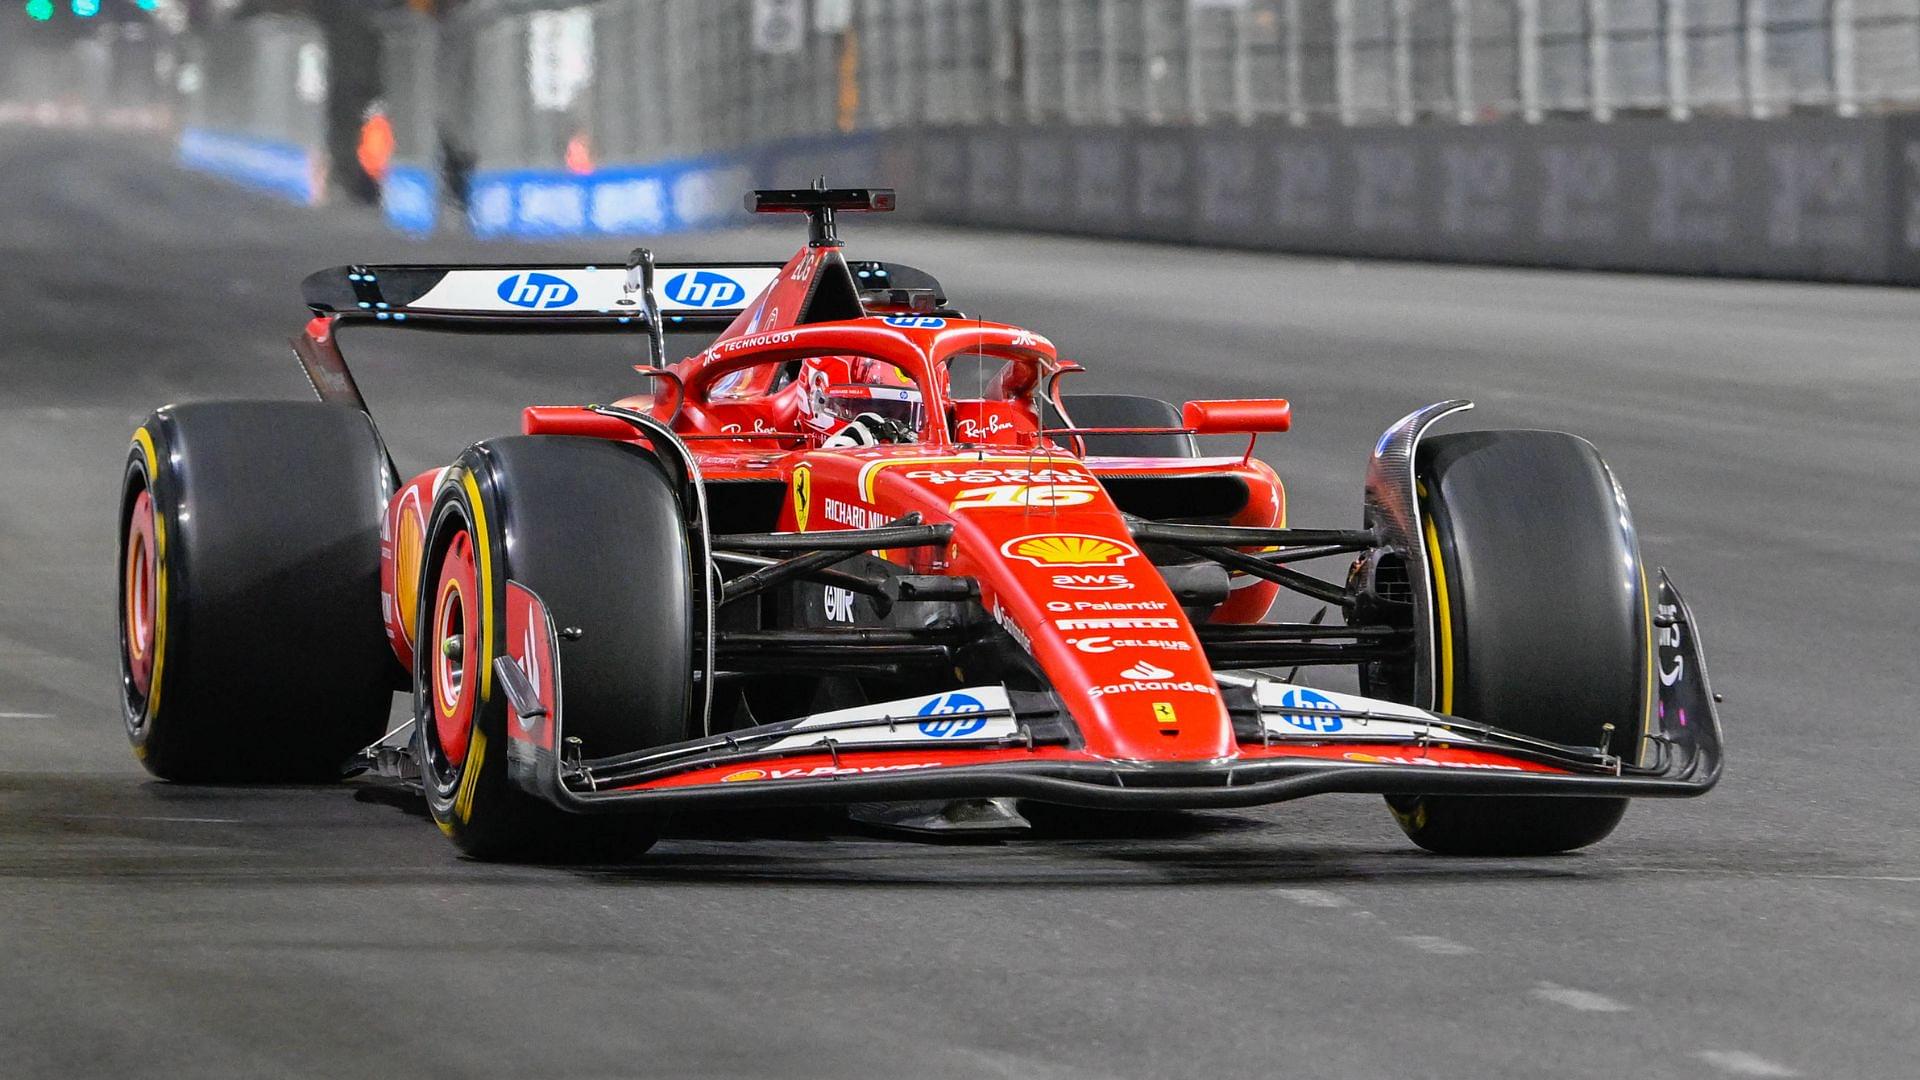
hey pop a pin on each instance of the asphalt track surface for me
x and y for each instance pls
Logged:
(1765, 433)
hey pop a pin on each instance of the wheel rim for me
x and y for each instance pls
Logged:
(138, 594)
(455, 654)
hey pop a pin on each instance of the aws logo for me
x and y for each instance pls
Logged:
(537, 291)
(1092, 582)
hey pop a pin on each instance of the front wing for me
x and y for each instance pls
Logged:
(986, 741)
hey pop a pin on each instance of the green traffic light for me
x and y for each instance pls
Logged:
(39, 10)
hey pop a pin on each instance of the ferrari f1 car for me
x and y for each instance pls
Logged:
(862, 548)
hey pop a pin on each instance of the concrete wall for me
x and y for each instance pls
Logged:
(1802, 197)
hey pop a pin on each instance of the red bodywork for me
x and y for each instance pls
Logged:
(1032, 522)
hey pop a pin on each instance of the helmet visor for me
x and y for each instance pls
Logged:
(900, 404)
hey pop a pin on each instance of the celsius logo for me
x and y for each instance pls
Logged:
(704, 289)
(539, 291)
(1318, 710)
(1143, 671)
(947, 725)
(1104, 644)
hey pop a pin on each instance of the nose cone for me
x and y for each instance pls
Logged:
(1059, 570)
(1122, 656)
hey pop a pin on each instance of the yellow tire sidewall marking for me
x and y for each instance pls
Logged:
(485, 614)
(470, 776)
(1443, 617)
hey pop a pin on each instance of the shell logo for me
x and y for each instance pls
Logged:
(1068, 549)
(744, 774)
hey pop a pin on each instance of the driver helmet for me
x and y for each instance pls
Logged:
(842, 390)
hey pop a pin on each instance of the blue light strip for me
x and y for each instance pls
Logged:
(282, 168)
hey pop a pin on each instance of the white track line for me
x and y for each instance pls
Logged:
(1734, 1062)
(1438, 946)
(1318, 898)
(1784, 874)
(150, 817)
(1741, 1063)
(1583, 1000)
(26, 716)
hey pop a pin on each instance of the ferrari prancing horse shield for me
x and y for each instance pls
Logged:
(802, 496)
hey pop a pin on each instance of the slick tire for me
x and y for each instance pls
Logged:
(594, 529)
(252, 647)
(1541, 626)
(1126, 410)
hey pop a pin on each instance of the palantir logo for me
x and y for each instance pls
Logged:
(1316, 713)
(538, 291)
(705, 289)
(946, 724)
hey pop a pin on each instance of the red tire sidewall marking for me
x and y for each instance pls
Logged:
(456, 610)
(139, 592)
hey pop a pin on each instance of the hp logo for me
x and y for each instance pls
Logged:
(1316, 714)
(705, 289)
(538, 291)
(946, 725)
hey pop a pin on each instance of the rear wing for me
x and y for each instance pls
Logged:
(541, 297)
(640, 294)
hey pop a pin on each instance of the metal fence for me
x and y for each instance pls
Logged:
(637, 80)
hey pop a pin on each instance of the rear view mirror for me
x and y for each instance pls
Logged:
(1238, 416)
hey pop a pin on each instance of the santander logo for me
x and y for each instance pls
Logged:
(1145, 672)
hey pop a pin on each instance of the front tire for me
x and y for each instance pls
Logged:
(1541, 626)
(594, 529)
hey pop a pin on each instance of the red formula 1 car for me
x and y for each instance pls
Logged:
(862, 549)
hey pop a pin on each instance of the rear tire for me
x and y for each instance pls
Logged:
(594, 529)
(1541, 626)
(251, 643)
(1126, 410)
